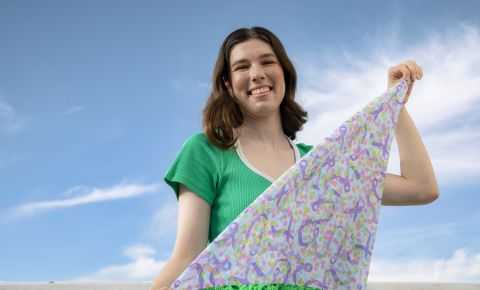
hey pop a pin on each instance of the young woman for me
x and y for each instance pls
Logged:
(249, 122)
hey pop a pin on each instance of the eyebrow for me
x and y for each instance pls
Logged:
(265, 55)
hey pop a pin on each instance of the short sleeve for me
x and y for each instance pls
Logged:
(196, 167)
(304, 148)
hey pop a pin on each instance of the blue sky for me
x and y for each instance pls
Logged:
(97, 97)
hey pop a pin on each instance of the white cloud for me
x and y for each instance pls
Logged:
(73, 110)
(460, 267)
(85, 196)
(10, 121)
(139, 251)
(447, 96)
(164, 222)
(142, 268)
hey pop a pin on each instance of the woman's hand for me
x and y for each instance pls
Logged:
(408, 70)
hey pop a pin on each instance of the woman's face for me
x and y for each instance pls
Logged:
(257, 79)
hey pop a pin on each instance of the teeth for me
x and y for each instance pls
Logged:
(260, 90)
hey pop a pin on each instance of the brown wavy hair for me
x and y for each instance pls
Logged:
(222, 114)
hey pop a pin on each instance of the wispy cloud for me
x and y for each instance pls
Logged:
(163, 225)
(460, 267)
(10, 121)
(73, 110)
(85, 196)
(444, 104)
(142, 268)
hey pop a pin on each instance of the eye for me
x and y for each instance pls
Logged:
(269, 62)
(239, 67)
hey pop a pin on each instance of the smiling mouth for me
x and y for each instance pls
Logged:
(260, 92)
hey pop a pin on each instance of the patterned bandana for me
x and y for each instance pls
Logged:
(315, 226)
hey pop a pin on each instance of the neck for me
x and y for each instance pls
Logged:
(266, 132)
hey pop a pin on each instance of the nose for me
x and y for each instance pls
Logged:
(257, 73)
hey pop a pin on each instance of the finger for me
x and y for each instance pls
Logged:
(418, 70)
(413, 67)
(418, 73)
(405, 72)
(413, 71)
(395, 72)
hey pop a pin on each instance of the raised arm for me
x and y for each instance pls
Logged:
(417, 183)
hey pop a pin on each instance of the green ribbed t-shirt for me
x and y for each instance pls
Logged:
(223, 178)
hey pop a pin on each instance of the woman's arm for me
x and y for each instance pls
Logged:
(417, 183)
(192, 237)
(170, 271)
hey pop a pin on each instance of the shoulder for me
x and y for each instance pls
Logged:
(196, 166)
(196, 139)
(199, 140)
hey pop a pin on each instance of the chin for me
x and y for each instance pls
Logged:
(264, 111)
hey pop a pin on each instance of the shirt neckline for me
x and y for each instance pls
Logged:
(243, 158)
